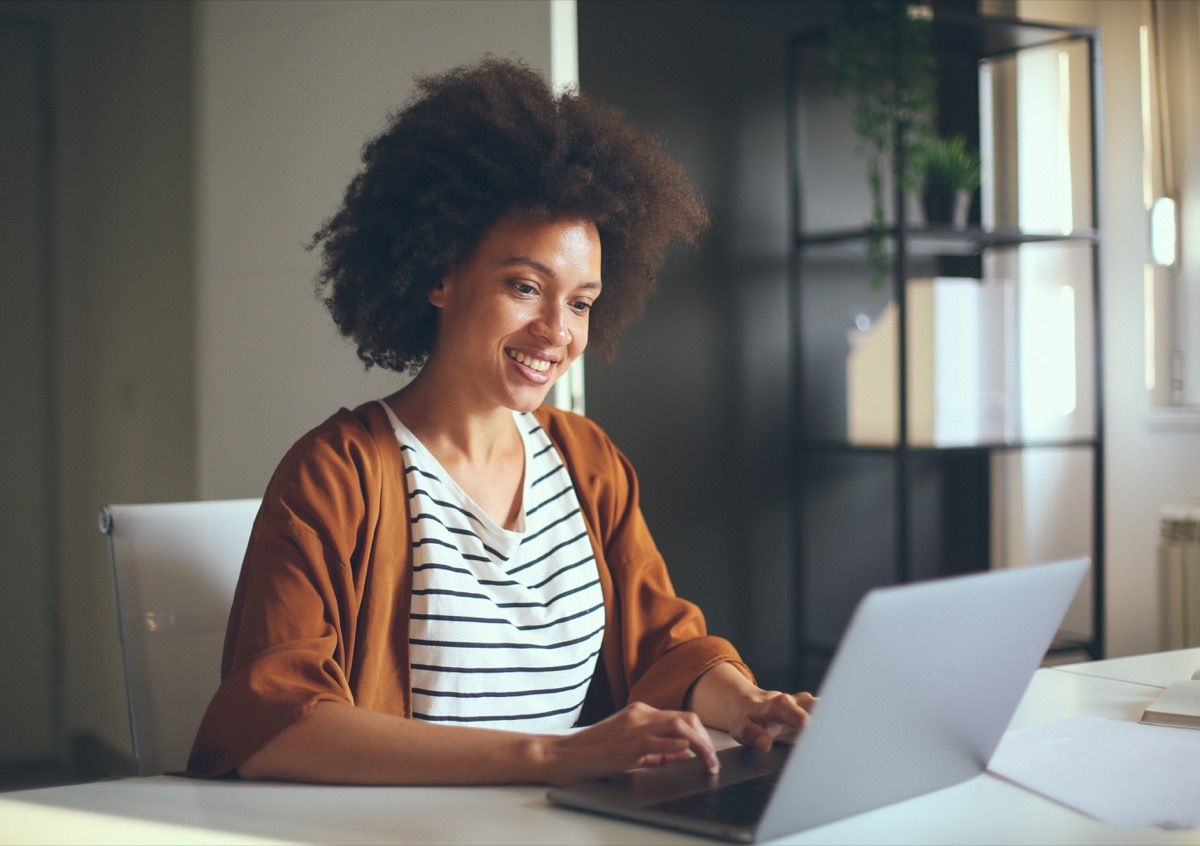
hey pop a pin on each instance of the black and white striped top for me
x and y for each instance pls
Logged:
(506, 626)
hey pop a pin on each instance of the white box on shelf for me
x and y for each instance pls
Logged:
(958, 366)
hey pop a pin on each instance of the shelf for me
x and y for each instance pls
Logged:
(829, 446)
(873, 361)
(985, 37)
(989, 37)
(935, 241)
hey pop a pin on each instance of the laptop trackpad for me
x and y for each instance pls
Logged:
(656, 785)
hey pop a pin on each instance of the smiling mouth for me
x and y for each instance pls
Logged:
(538, 364)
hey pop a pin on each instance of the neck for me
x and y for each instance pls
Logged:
(451, 427)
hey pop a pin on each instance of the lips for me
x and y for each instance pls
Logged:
(539, 365)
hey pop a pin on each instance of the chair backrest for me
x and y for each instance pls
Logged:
(175, 566)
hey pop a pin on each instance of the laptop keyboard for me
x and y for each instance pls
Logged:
(740, 803)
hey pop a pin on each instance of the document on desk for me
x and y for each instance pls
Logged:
(1126, 774)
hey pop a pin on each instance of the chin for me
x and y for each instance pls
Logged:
(526, 406)
(529, 400)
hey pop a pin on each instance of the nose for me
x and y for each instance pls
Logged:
(551, 325)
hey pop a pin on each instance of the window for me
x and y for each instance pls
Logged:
(1170, 86)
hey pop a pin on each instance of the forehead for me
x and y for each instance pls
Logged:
(558, 245)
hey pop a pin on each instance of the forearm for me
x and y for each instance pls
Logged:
(338, 743)
(719, 695)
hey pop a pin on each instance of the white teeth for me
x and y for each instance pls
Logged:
(540, 365)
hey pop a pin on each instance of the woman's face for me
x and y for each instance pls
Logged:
(515, 314)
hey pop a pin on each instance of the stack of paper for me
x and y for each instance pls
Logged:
(1125, 774)
(1178, 705)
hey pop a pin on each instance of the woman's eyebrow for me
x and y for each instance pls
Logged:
(544, 269)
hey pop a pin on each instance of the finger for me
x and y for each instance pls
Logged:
(656, 750)
(707, 753)
(660, 758)
(784, 726)
(781, 733)
(780, 718)
(683, 726)
(689, 725)
(762, 737)
(653, 751)
(700, 741)
(787, 709)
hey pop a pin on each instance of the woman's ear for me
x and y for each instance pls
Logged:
(437, 295)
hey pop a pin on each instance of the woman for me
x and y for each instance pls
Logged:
(440, 583)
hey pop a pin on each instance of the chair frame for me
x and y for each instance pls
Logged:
(174, 569)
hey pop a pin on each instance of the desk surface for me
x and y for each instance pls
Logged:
(1157, 670)
(163, 809)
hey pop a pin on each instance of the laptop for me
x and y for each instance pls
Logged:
(923, 686)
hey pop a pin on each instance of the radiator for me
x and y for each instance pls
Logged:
(1179, 576)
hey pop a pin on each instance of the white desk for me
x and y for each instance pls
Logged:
(985, 809)
(1157, 670)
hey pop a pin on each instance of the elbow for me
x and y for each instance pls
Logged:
(253, 769)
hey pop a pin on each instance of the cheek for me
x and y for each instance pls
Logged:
(579, 338)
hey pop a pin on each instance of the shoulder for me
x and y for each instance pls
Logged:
(352, 434)
(602, 474)
(580, 440)
(347, 458)
(569, 426)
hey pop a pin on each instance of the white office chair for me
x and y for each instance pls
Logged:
(175, 566)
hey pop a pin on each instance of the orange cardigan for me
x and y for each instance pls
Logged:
(321, 607)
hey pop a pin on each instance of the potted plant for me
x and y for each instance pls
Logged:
(949, 174)
(881, 55)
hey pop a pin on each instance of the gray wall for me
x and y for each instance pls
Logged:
(698, 396)
(118, 335)
(26, 447)
(286, 95)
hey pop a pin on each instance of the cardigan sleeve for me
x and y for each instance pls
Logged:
(290, 640)
(657, 644)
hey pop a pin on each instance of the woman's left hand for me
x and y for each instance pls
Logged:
(725, 698)
(769, 717)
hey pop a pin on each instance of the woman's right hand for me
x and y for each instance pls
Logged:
(638, 735)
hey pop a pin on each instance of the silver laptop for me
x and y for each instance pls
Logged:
(922, 688)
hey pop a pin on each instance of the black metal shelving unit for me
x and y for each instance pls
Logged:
(876, 513)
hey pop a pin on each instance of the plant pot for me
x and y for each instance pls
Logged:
(946, 208)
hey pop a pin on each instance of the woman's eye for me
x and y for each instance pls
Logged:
(522, 287)
(581, 307)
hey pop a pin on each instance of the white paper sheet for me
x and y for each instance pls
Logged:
(1126, 774)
